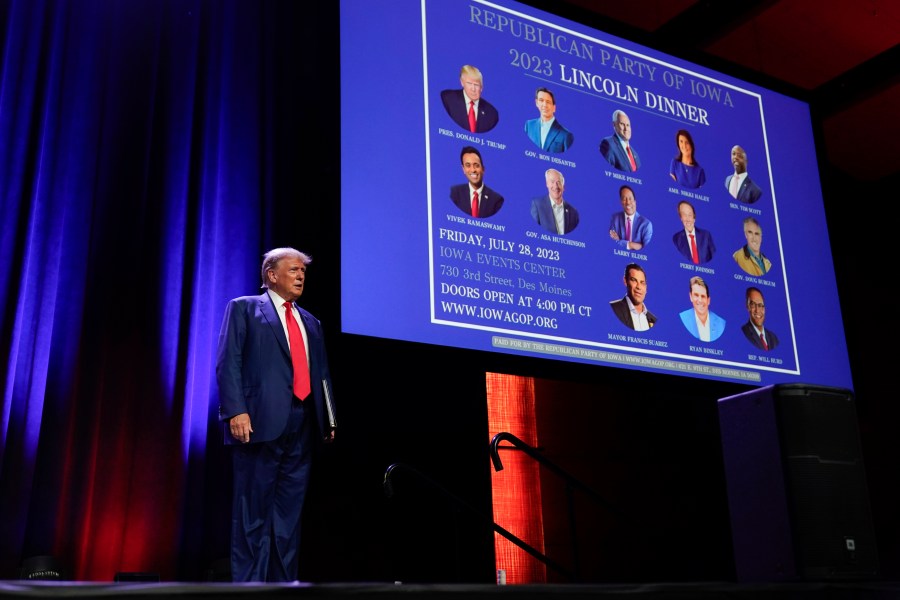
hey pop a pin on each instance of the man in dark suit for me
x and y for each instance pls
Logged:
(759, 336)
(629, 229)
(739, 184)
(552, 212)
(631, 309)
(689, 237)
(474, 198)
(275, 397)
(546, 132)
(466, 106)
(617, 148)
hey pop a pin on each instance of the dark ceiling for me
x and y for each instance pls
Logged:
(842, 57)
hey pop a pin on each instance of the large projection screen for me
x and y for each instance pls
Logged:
(417, 266)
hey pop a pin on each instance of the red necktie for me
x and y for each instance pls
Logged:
(298, 354)
(631, 158)
(762, 339)
(628, 229)
(694, 255)
(475, 204)
(472, 116)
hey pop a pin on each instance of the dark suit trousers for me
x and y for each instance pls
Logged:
(270, 482)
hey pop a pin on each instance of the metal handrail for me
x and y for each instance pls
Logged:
(389, 492)
(571, 483)
(546, 462)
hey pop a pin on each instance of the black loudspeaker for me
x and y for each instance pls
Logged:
(797, 490)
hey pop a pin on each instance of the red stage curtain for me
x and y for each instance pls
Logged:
(516, 490)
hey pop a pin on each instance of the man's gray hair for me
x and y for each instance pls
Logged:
(271, 258)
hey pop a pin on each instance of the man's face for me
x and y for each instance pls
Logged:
(545, 105)
(686, 214)
(473, 169)
(287, 278)
(637, 286)
(555, 187)
(472, 86)
(700, 300)
(754, 236)
(757, 308)
(622, 125)
(629, 204)
(739, 159)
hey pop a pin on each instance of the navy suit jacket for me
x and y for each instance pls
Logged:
(705, 245)
(542, 213)
(488, 205)
(254, 371)
(750, 332)
(456, 105)
(612, 150)
(558, 138)
(748, 193)
(641, 228)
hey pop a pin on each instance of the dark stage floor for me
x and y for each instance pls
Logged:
(378, 591)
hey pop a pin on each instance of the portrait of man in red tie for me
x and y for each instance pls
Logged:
(762, 338)
(617, 148)
(466, 106)
(475, 198)
(695, 244)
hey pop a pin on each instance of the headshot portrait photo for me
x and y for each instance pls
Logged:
(702, 323)
(617, 148)
(754, 329)
(546, 132)
(628, 228)
(684, 168)
(749, 257)
(551, 211)
(739, 184)
(474, 198)
(468, 109)
(631, 309)
(693, 243)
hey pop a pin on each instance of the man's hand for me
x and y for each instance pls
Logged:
(240, 427)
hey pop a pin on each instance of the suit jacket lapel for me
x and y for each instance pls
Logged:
(271, 314)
